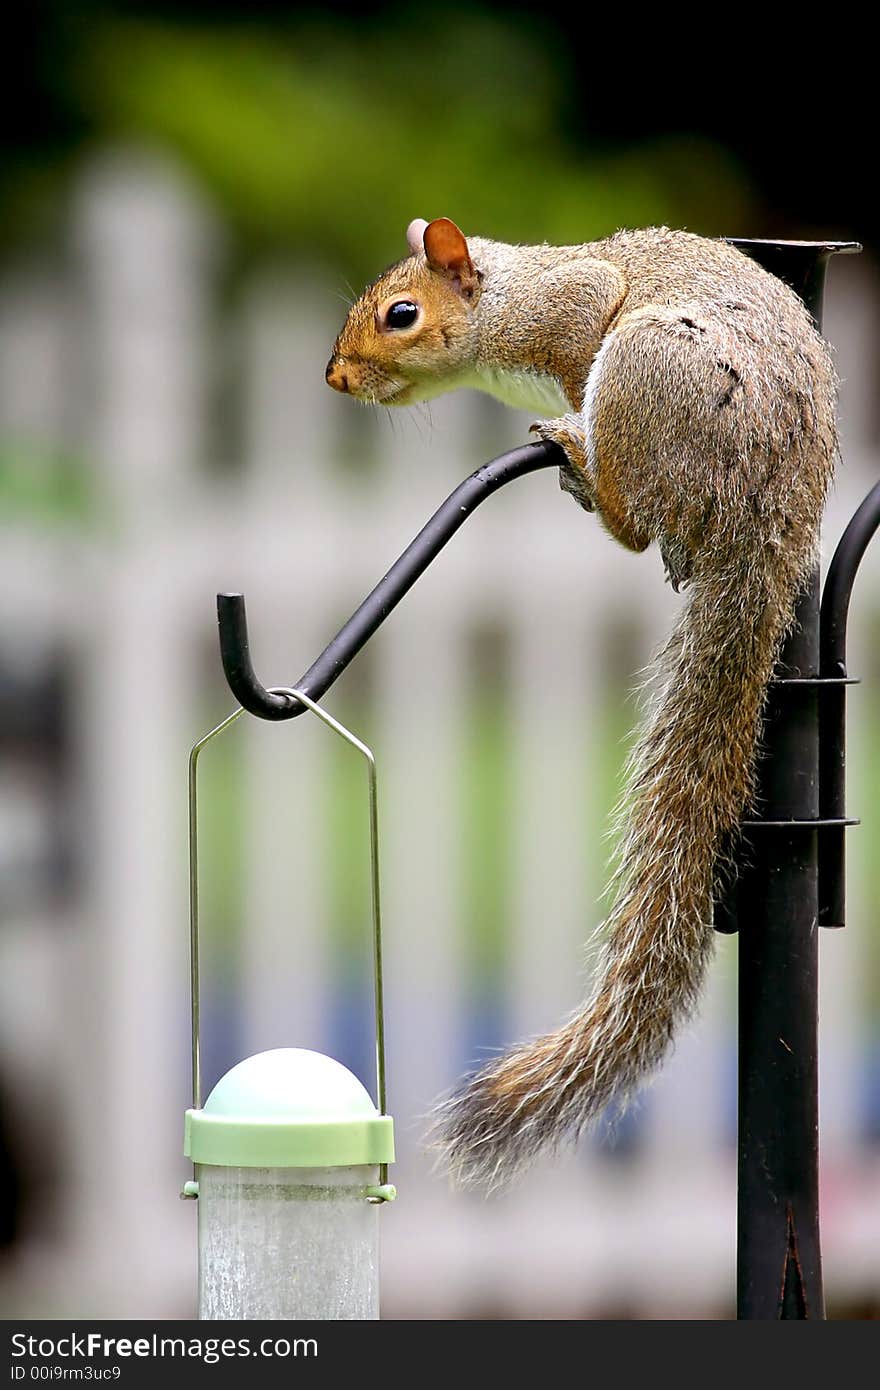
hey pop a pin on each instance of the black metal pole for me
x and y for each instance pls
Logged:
(776, 895)
(779, 1271)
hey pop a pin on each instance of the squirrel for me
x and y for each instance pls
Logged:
(695, 403)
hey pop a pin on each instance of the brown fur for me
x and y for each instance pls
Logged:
(702, 417)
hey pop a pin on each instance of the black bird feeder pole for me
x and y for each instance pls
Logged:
(788, 878)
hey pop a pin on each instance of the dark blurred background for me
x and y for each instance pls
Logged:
(295, 116)
(190, 193)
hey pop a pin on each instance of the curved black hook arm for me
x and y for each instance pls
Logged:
(832, 708)
(234, 647)
(839, 583)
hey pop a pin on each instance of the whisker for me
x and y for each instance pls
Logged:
(349, 298)
(424, 419)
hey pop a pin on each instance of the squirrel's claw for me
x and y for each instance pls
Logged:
(678, 564)
(571, 481)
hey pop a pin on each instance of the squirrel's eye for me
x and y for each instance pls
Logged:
(401, 315)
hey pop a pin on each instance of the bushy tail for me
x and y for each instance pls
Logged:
(691, 777)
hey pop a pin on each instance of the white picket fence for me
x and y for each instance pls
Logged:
(130, 349)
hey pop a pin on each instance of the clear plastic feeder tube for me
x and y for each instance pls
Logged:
(288, 1243)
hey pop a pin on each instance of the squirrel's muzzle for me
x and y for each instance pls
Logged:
(335, 376)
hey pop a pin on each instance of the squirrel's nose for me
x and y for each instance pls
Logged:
(335, 376)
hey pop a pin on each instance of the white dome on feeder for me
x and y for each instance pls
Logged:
(290, 1083)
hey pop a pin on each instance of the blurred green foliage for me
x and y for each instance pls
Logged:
(40, 483)
(327, 139)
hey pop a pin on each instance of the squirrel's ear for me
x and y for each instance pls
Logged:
(415, 234)
(447, 252)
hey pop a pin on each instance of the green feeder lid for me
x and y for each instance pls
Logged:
(289, 1108)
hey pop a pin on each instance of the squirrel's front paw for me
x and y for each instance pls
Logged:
(567, 433)
(575, 477)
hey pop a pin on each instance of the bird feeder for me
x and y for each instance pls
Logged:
(290, 1154)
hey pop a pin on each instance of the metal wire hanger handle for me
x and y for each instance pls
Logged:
(293, 696)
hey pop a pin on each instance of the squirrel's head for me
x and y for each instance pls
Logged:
(412, 333)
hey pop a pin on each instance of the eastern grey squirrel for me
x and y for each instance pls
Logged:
(695, 403)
